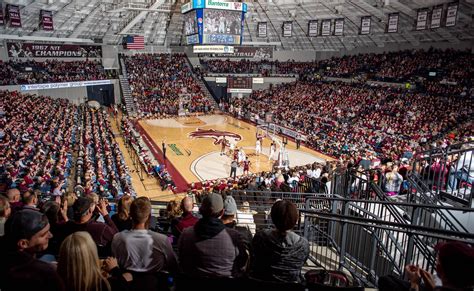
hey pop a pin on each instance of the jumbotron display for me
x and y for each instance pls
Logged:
(213, 22)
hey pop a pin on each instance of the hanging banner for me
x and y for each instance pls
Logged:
(2, 19)
(392, 25)
(287, 28)
(365, 23)
(339, 26)
(37, 50)
(251, 52)
(13, 15)
(451, 14)
(436, 16)
(422, 19)
(262, 29)
(46, 20)
(312, 28)
(326, 27)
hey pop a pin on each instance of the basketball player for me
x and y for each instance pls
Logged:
(241, 156)
(231, 148)
(246, 166)
(272, 150)
(223, 144)
(258, 147)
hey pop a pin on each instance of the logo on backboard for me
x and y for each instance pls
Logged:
(217, 135)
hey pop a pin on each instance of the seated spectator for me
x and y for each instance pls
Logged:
(101, 233)
(140, 249)
(279, 254)
(187, 219)
(57, 217)
(80, 268)
(229, 220)
(122, 218)
(5, 212)
(209, 249)
(14, 199)
(27, 234)
(30, 200)
(454, 267)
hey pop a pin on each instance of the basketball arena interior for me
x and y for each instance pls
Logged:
(248, 145)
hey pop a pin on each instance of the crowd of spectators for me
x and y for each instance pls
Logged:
(51, 71)
(37, 135)
(167, 88)
(101, 165)
(401, 66)
(343, 120)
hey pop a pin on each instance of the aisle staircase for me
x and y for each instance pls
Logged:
(126, 91)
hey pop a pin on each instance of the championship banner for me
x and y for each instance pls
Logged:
(2, 19)
(249, 52)
(422, 19)
(452, 14)
(287, 28)
(365, 23)
(326, 27)
(13, 15)
(46, 20)
(436, 15)
(36, 50)
(339, 26)
(262, 29)
(392, 25)
(312, 28)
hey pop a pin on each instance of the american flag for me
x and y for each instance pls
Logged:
(135, 42)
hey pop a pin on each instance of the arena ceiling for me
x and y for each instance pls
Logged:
(162, 24)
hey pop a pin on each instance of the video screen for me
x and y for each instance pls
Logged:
(190, 23)
(222, 22)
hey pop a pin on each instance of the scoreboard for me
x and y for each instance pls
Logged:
(239, 82)
(213, 22)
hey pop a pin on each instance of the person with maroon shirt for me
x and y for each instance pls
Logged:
(102, 233)
(186, 220)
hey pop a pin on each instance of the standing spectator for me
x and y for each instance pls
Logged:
(122, 218)
(27, 234)
(209, 249)
(140, 249)
(393, 181)
(462, 170)
(279, 254)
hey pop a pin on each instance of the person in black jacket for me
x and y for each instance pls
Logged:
(279, 253)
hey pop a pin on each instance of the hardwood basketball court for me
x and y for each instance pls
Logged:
(193, 146)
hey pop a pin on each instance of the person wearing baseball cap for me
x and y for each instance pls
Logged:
(209, 249)
(27, 234)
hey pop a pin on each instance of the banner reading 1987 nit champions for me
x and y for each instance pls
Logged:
(37, 50)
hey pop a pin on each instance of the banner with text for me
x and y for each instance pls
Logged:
(287, 28)
(262, 29)
(249, 52)
(63, 85)
(436, 15)
(339, 26)
(2, 19)
(313, 28)
(365, 23)
(451, 14)
(13, 15)
(422, 19)
(392, 25)
(36, 50)
(46, 20)
(326, 27)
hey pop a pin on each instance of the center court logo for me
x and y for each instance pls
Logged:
(217, 135)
